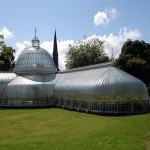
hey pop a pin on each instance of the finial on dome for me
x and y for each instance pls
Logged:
(35, 40)
(35, 31)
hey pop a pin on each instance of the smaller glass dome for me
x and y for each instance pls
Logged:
(35, 59)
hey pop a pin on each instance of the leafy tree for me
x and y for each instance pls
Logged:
(6, 56)
(86, 53)
(135, 59)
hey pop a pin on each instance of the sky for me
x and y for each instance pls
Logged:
(113, 21)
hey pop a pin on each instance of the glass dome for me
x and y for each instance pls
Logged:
(35, 59)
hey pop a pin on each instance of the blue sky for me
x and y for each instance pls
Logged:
(113, 21)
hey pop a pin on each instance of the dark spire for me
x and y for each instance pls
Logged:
(55, 51)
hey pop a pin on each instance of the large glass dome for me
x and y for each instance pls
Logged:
(35, 59)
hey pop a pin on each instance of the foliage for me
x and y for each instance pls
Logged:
(59, 129)
(135, 59)
(6, 56)
(86, 53)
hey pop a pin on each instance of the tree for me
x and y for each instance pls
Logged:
(86, 53)
(6, 56)
(135, 59)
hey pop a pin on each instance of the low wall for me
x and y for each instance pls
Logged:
(93, 106)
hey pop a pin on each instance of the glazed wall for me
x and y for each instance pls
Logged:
(5, 78)
(100, 82)
(30, 87)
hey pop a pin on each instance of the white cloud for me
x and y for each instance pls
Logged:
(7, 34)
(101, 18)
(112, 13)
(104, 17)
(115, 42)
(129, 33)
(48, 46)
(63, 47)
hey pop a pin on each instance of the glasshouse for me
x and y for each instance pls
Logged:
(37, 82)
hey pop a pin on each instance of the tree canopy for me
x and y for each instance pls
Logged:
(6, 56)
(86, 52)
(135, 59)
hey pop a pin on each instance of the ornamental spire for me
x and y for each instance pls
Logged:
(35, 31)
(35, 40)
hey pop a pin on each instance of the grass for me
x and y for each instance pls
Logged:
(58, 129)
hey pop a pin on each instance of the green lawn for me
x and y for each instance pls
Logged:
(58, 129)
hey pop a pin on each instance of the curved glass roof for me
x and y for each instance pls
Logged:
(29, 86)
(35, 60)
(5, 78)
(100, 82)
